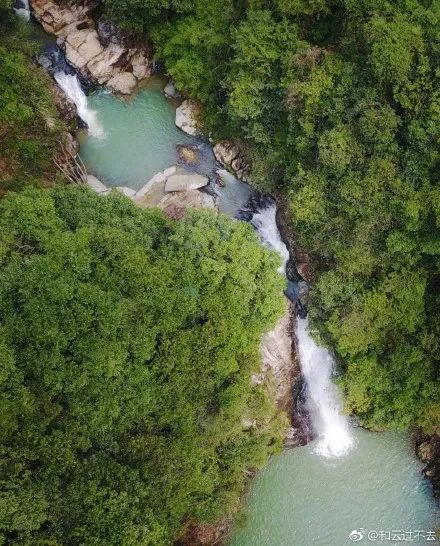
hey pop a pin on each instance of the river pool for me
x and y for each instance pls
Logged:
(301, 498)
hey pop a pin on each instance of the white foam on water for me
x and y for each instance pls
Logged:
(324, 402)
(69, 83)
(264, 221)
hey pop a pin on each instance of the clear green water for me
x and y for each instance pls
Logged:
(301, 499)
(140, 137)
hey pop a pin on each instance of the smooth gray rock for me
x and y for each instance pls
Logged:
(96, 185)
(129, 192)
(186, 117)
(185, 182)
(170, 91)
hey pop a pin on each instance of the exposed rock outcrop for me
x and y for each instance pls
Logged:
(101, 52)
(123, 82)
(303, 266)
(64, 105)
(67, 150)
(231, 157)
(205, 534)
(278, 361)
(428, 451)
(186, 117)
(226, 152)
(176, 204)
(174, 191)
(71, 145)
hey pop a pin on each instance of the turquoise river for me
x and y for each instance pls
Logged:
(301, 498)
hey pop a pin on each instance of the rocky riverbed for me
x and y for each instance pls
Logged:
(91, 48)
(98, 50)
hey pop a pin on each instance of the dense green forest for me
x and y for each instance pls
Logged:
(127, 342)
(337, 103)
(30, 125)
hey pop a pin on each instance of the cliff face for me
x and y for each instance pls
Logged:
(280, 370)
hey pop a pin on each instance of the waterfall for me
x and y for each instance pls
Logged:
(324, 400)
(323, 396)
(69, 83)
(264, 221)
(22, 9)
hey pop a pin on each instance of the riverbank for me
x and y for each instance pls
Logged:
(278, 370)
(192, 536)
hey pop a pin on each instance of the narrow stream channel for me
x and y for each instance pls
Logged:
(346, 480)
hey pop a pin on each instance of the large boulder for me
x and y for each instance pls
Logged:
(171, 91)
(123, 82)
(185, 182)
(174, 191)
(225, 152)
(140, 65)
(229, 155)
(186, 117)
(152, 192)
(303, 266)
(176, 204)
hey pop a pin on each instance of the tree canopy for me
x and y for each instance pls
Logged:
(127, 344)
(337, 105)
(30, 125)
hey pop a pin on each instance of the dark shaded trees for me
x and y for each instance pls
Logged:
(127, 346)
(337, 105)
(30, 126)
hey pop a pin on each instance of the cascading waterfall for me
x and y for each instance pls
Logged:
(21, 8)
(264, 221)
(71, 86)
(324, 400)
(323, 397)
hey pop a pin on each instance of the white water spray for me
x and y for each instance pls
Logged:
(323, 396)
(25, 11)
(69, 83)
(264, 221)
(324, 400)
